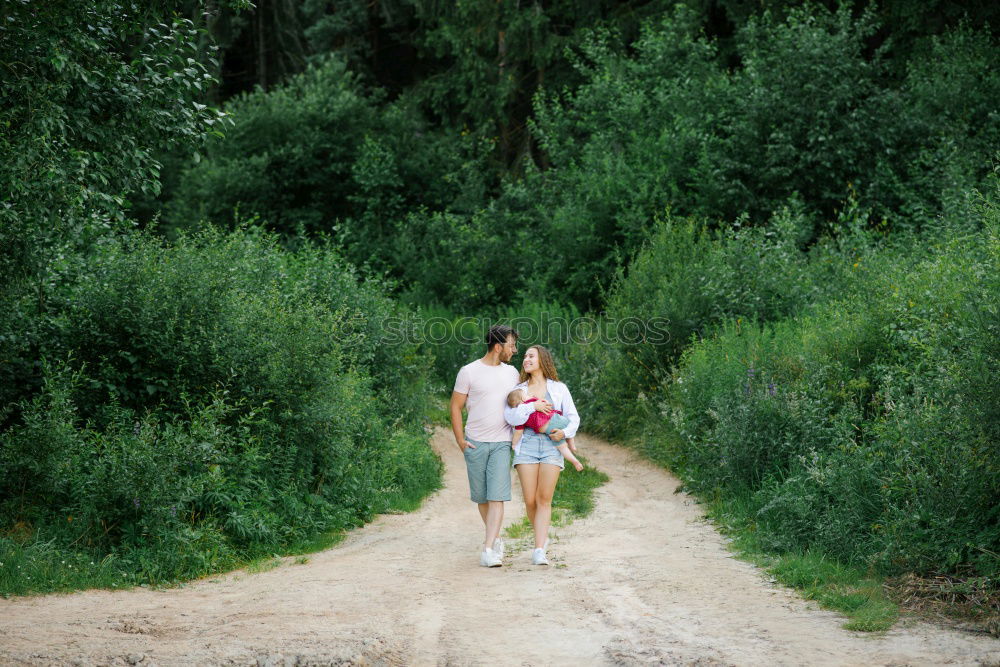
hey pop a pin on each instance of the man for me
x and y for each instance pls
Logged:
(482, 387)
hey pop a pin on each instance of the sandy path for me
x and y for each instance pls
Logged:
(642, 580)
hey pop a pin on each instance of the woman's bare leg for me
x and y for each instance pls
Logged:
(527, 474)
(548, 475)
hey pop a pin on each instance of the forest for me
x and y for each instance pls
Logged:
(245, 246)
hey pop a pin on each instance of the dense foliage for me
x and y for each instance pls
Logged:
(811, 115)
(866, 427)
(319, 156)
(167, 410)
(801, 195)
(843, 397)
(87, 90)
(212, 399)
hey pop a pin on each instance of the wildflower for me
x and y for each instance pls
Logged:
(173, 510)
(771, 389)
(135, 501)
(751, 372)
(746, 388)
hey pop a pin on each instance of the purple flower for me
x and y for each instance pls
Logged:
(771, 389)
(751, 372)
(135, 501)
(173, 510)
(746, 389)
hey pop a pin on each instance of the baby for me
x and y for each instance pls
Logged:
(543, 423)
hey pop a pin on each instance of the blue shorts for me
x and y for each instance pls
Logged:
(488, 466)
(536, 448)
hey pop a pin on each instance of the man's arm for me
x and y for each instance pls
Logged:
(457, 403)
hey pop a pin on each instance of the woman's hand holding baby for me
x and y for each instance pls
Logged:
(541, 405)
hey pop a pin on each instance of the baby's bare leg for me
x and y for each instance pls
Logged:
(572, 444)
(568, 455)
(516, 437)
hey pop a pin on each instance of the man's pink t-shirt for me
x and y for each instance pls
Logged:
(487, 388)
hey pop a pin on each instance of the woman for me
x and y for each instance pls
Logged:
(536, 459)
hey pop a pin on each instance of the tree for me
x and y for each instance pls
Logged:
(87, 91)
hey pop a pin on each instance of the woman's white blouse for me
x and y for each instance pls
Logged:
(562, 400)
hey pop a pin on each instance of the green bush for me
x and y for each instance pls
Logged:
(806, 115)
(688, 279)
(948, 128)
(288, 158)
(87, 92)
(471, 262)
(740, 404)
(803, 112)
(321, 156)
(208, 401)
(809, 114)
(843, 396)
(865, 428)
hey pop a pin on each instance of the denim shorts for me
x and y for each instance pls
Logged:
(536, 448)
(488, 466)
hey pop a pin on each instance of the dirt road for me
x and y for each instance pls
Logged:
(641, 581)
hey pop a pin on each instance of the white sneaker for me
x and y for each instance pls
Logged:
(538, 557)
(489, 558)
(498, 547)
